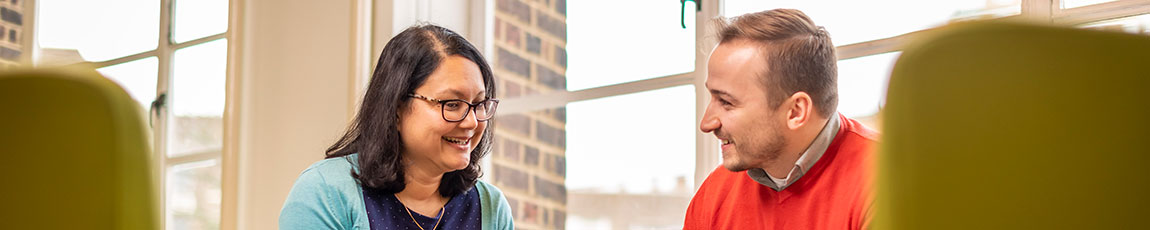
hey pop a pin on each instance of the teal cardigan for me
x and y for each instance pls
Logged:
(326, 197)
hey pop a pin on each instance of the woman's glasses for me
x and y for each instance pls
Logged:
(456, 110)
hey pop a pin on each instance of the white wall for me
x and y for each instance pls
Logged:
(294, 68)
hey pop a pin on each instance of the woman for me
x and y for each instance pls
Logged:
(410, 159)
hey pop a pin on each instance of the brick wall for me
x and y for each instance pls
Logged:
(11, 32)
(529, 162)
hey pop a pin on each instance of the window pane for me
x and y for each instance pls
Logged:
(197, 105)
(137, 77)
(858, 21)
(193, 196)
(631, 154)
(1136, 25)
(862, 84)
(198, 18)
(1067, 4)
(99, 30)
(603, 48)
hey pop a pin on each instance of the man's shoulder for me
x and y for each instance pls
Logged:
(853, 128)
(722, 174)
(722, 180)
(722, 189)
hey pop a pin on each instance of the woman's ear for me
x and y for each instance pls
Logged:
(400, 113)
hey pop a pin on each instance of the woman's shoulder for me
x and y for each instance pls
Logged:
(335, 171)
(334, 163)
(324, 194)
(488, 193)
(487, 188)
(496, 210)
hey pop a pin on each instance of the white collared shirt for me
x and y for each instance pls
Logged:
(807, 160)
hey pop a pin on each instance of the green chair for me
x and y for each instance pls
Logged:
(1016, 126)
(75, 154)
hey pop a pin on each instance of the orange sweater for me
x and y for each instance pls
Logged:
(835, 193)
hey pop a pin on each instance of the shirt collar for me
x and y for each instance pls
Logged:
(807, 160)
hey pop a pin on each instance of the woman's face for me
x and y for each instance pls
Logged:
(433, 143)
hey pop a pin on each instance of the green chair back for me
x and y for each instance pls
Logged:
(1016, 126)
(75, 154)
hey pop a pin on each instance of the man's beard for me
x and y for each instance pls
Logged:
(769, 150)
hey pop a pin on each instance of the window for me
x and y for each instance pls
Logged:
(174, 51)
(862, 84)
(868, 33)
(863, 75)
(197, 97)
(137, 77)
(194, 19)
(628, 154)
(606, 51)
(1066, 4)
(1135, 25)
(95, 35)
(852, 22)
(621, 70)
(633, 77)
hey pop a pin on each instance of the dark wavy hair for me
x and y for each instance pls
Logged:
(404, 65)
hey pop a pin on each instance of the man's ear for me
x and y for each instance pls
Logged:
(799, 108)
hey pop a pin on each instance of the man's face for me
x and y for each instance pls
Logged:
(739, 113)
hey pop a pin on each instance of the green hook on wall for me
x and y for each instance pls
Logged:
(682, 8)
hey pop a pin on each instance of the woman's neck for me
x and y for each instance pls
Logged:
(421, 184)
(421, 191)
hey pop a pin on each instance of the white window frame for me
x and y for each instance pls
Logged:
(165, 50)
(707, 148)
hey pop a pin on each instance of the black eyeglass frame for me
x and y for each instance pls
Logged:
(470, 107)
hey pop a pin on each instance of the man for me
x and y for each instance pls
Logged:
(773, 89)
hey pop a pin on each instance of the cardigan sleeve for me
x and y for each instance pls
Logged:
(313, 203)
(496, 214)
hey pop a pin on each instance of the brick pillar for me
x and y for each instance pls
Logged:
(529, 162)
(11, 33)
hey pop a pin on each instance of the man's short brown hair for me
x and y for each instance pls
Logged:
(799, 54)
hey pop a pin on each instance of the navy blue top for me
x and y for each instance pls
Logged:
(385, 212)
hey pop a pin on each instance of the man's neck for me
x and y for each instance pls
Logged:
(782, 166)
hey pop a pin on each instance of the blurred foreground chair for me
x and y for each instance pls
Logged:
(75, 154)
(1015, 126)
